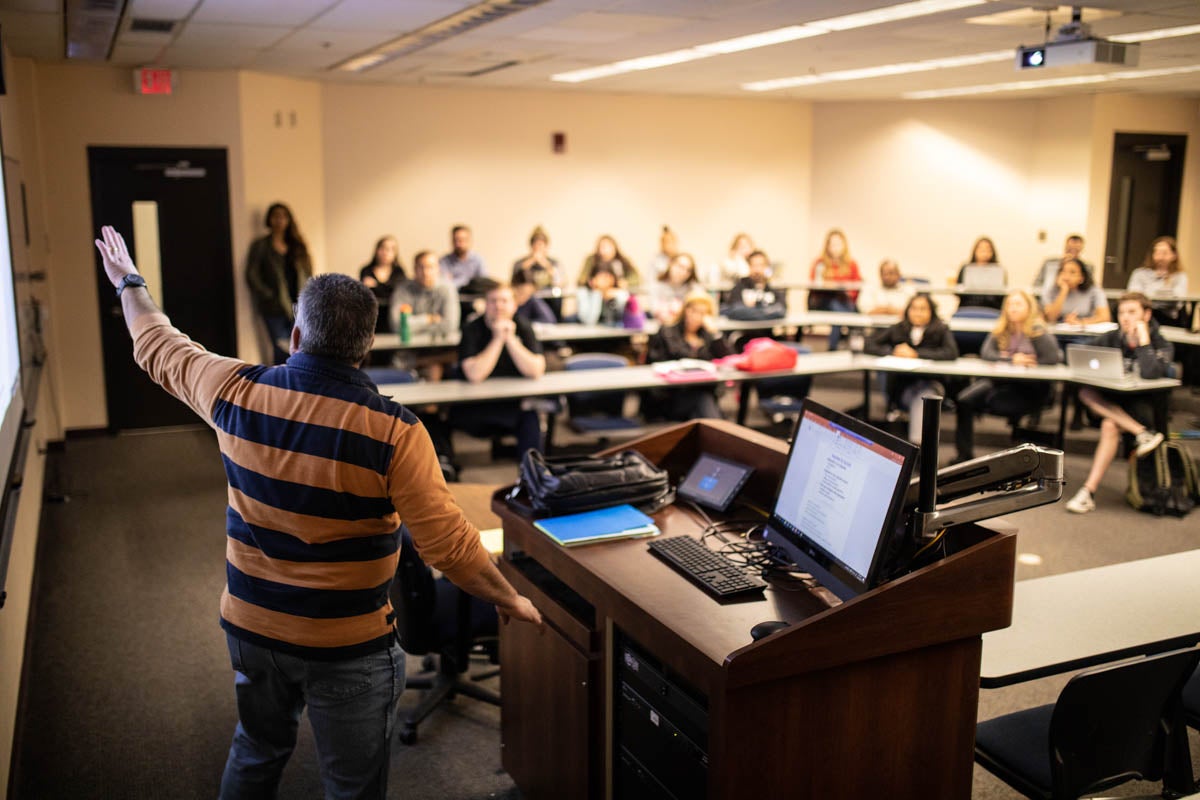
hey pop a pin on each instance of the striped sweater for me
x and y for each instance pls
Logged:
(322, 471)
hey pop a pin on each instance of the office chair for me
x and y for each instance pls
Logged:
(437, 620)
(971, 342)
(1110, 725)
(1191, 701)
(598, 413)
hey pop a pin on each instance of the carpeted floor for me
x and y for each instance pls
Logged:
(129, 690)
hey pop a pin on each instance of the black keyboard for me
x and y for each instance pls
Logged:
(713, 572)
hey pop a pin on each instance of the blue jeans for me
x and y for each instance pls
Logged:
(351, 705)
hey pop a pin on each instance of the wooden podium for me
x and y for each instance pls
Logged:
(874, 697)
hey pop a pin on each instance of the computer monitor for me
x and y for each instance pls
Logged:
(839, 503)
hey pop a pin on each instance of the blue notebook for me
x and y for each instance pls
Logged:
(603, 524)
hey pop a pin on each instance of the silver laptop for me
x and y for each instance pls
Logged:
(1104, 363)
(978, 276)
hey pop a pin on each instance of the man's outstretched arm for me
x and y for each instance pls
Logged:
(135, 300)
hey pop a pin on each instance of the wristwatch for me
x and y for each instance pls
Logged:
(132, 279)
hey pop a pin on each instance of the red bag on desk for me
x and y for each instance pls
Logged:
(762, 355)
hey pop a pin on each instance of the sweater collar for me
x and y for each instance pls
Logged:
(330, 368)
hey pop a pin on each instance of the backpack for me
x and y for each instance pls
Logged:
(1164, 481)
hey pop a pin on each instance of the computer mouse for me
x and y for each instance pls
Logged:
(766, 628)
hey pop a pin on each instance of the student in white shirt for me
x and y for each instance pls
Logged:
(890, 297)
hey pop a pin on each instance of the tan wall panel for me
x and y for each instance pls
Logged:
(281, 148)
(413, 162)
(919, 182)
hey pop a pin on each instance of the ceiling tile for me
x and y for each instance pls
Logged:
(261, 12)
(196, 34)
(135, 54)
(387, 15)
(208, 57)
(344, 42)
(30, 25)
(160, 9)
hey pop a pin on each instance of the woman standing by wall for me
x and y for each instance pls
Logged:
(277, 267)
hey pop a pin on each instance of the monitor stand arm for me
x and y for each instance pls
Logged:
(1011, 480)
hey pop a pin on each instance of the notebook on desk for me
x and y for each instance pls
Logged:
(601, 525)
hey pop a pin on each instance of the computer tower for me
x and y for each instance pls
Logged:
(660, 731)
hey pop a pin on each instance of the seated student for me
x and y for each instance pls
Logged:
(674, 284)
(919, 335)
(752, 297)
(1161, 275)
(541, 269)
(1048, 272)
(382, 275)
(1074, 298)
(1020, 338)
(1140, 342)
(834, 265)
(736, 264)
(432, 303)
(529, 306)
(983, 259)
(608, 254)
(601, 301)
(498, 344)
(691, 335)
(668, 248)
(890, 297)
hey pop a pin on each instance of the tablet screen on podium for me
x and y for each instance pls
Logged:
(840, 498)
(713, 482)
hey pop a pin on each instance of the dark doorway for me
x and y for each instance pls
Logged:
(172, 206)
(1143, 203)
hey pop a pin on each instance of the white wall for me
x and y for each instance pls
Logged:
(413, 162)
(919, 182)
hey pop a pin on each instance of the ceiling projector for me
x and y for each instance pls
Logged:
(1078, 52)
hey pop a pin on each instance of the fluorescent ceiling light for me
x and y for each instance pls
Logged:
(764, 39)
(1161, 33)
(879, 16)
(1046, 83)
(767, 38)
(880, 71)
(460, 22)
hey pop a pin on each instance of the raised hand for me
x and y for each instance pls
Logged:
(117, 263)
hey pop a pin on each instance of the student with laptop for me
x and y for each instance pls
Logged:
(983, 271)
(1149, 354)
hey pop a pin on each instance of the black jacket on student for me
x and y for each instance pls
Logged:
(937, 343)
(1153, 360)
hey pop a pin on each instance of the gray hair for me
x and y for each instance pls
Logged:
(336, 317)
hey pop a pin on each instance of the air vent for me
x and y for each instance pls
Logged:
(144, 25)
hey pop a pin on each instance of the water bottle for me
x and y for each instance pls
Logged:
(405, 331)
(633, 318)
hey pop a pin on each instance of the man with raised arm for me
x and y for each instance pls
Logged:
(322, 471)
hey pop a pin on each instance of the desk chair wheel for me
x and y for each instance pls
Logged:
(407, 734)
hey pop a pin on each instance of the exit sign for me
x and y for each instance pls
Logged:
(153, 80)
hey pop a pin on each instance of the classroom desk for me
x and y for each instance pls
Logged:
(852, 700)
(1058, 373)
(575, 332)
(1075, 620)
(633, 378)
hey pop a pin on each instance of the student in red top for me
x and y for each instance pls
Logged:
(834, 265)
